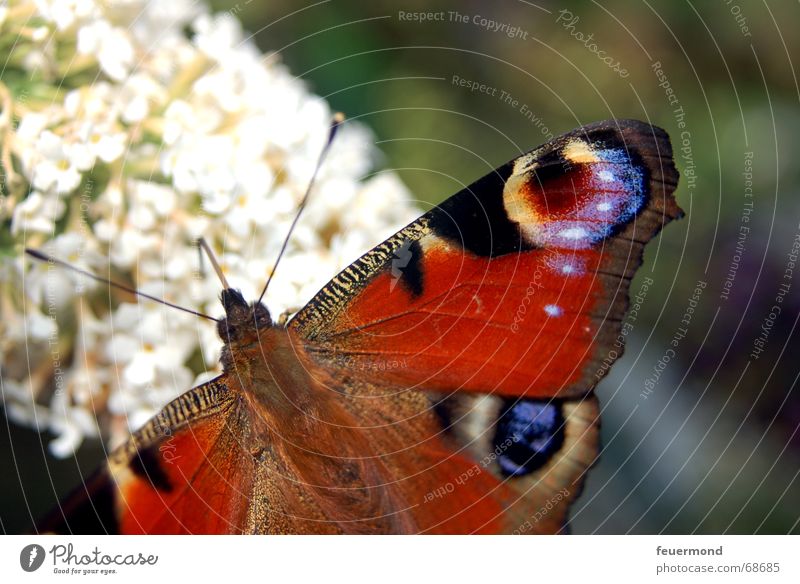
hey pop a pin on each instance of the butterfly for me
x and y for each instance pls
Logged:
(441, 383)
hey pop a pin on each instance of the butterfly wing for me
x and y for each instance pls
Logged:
(185, 471)
(517, 285)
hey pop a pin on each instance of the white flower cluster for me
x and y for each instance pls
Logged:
(123, 139)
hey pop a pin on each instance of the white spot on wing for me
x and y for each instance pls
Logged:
(573, 233)
(553, 310)
(606, 175)
(604, 206)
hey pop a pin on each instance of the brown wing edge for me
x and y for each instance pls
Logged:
(625, 249)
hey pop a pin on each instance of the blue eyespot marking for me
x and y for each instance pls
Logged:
(609, 196)
(529, 433)
(617, 173)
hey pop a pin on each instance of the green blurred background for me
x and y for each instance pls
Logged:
(714, 447)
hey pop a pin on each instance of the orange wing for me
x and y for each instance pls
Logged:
(183, 472)
(516, 285)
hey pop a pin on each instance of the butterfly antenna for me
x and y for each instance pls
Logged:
(337, 120)
(51, 260)
(203, 245)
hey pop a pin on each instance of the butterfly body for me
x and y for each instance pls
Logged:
(439, 384)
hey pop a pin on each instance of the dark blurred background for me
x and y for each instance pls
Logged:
(712, 445)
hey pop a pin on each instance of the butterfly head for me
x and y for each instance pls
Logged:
(242, 320)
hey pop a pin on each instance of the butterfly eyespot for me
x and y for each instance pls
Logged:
(529, 433)
(604, 188)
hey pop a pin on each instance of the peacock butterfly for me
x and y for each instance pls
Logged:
(442, 383)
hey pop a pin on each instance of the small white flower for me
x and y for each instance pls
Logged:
(145, 341)
(111, 45)
(50, 285)
(352, 153)
(162, 24)
(38, 212)
(40, 327)
(248, 212)
(137, 95)
(65, 13)
(70, 423)
(91, 103)
(185, 120)
(383, 195)
(217, 35)
(97, 140)
(86, 383)
(56, 168)
(160, 198)
(129, 243)
(202, 164)
(33, 124)
(20, 406)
